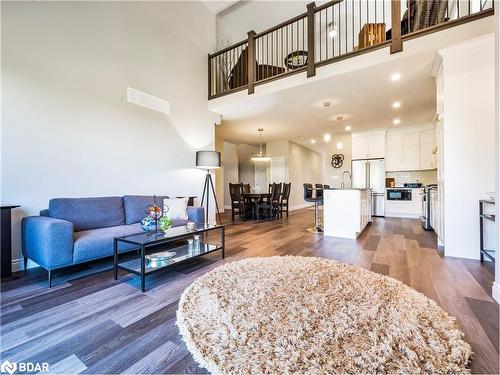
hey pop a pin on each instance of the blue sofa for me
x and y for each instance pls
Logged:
(77, 230)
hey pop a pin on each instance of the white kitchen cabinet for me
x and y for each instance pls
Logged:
(428, 159)
(394, 159)
(376, 146)
(368, 145)
(359, 147)
(411, 158)
(410, 149)
(411, 139)
(346, 212)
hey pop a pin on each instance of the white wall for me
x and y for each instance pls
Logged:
(468, 72)
(333, 176)
(305, 166)
(496, 285)
(230, 166)
(246, 166)
(67, 130)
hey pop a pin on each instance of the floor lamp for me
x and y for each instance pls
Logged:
(208, 160)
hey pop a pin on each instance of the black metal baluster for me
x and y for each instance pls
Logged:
(303, 35)
(345, 26)
(352, 2)
(339, 33)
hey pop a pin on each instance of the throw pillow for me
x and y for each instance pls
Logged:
(175, 208)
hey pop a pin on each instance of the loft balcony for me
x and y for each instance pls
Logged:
(329, 33)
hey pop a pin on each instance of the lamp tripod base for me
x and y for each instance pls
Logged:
(209, 186)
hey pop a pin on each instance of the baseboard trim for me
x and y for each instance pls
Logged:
(495, 291)
(301, 206)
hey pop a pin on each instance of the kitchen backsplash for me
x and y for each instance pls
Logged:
(424, 177)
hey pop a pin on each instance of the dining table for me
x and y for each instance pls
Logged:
(255, 199)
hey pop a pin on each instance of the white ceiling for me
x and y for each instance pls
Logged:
(364, 98)
(218, 6)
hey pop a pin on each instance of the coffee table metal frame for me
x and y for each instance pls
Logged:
(144, 241)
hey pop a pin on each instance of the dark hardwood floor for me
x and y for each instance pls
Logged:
(89, 323)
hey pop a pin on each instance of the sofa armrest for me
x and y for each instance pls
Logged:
(196, 214)
(47, 241)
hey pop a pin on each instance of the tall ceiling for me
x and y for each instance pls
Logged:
(361, 99)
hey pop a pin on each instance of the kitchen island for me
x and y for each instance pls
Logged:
(346, 212)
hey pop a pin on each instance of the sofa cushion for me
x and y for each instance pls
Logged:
(97, 243)
(89, 213)
(135, 206)
(178, 222)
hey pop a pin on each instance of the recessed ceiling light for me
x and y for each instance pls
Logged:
(339, 146)
(327, 137)
(313, 141)
(301, 138)
(327, 104)
(396, 104)
(347, 128)
(395, 77)
(396, 121)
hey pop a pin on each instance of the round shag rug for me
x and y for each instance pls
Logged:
(312, 315)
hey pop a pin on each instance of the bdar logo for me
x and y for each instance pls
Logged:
(8, 367)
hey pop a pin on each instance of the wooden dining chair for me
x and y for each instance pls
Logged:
(246, 188)
(276, 199)
(237, 202)
(285, 199)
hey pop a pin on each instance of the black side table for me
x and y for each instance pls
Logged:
(6, 241)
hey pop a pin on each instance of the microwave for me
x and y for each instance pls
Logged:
(399, 194)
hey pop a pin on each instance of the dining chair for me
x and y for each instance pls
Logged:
(246, 188)
(267, 205)
(238, 205)
(276, 199)
(285, 198)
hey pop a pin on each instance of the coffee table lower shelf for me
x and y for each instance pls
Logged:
(149, 244)
(134, 265)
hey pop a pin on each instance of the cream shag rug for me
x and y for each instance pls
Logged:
(310, 315)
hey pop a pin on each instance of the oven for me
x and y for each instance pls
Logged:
(399, 194)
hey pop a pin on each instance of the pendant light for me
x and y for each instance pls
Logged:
(261, 156)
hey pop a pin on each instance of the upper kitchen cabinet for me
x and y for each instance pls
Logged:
(410, 149)
(368, 145)
(428, 158)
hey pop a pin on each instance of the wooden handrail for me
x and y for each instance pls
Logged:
(328, 4)
(227, 49)
(283, 24)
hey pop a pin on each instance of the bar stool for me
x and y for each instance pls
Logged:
(308, 192)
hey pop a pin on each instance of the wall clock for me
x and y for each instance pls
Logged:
(337, 160)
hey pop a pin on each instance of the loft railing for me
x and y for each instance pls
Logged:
(333, 31)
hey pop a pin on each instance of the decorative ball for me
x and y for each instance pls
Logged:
(164, 223)
(148, 224)
(153, 211)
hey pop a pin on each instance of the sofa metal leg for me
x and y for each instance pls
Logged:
(25, 263)
(50, 279)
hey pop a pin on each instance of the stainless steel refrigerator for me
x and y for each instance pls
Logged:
(370, 174)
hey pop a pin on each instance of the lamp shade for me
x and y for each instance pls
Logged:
(207, 159)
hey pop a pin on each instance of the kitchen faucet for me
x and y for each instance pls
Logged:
(342, 185)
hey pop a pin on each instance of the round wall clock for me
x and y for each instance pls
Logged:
(337, 160)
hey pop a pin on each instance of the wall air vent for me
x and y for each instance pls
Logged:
(147, 100)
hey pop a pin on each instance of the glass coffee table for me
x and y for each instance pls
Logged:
(155, 247)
